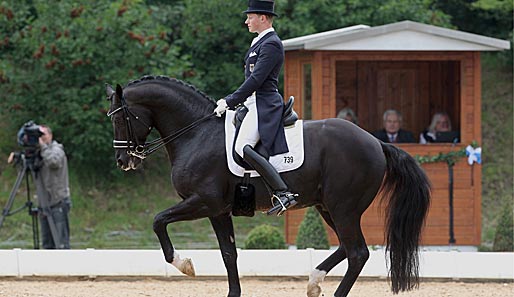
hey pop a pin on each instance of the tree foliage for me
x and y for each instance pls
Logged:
(312, 233)
(57, 56)
(300, 17)
(215, 35)
(492, 18)
(487, 17)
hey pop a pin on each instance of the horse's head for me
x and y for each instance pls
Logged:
(130, 127)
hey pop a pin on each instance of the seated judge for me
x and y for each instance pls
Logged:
(440, 123)
(392, 131)
(348, 114)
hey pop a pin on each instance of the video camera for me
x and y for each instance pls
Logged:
(28, 138)
(28, 135)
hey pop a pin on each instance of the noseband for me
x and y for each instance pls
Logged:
(132, 145)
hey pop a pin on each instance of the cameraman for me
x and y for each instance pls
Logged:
(53, 176)
(52, 189)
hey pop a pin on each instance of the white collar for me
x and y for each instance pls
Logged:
(254, 41)
(265, 32)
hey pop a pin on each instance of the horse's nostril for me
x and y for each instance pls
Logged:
(120, 163)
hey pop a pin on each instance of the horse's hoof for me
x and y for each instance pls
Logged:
(187, 268)
(313, 290)
(316, 277)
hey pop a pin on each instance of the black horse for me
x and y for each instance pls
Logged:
(344, 169)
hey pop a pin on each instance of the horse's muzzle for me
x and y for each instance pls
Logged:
(126, 162)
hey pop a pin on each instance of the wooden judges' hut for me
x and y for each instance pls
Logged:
(417, 69)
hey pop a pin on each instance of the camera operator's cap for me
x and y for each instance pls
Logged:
(261, 7)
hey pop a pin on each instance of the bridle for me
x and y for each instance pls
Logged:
(132, 145)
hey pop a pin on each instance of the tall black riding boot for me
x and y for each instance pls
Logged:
(282, 199)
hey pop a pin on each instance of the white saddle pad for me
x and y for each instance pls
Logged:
(283, 162)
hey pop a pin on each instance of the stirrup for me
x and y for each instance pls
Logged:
(282, 205)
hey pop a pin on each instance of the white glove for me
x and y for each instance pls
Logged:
(221, 108)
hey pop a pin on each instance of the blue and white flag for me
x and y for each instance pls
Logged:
(474, 155)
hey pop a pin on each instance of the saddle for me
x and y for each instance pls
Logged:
(289, 118)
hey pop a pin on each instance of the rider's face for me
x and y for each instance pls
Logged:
(255, 22)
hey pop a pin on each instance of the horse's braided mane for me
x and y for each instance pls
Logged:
(169, 79)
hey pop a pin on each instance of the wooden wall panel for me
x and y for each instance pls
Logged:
(317, 86)
(444, 90)
(345, 86)
(328, 105)
(368, 111)
(293, 81)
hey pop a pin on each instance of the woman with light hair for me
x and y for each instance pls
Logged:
(440, 123)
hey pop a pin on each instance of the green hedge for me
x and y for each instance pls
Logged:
(312, 233)
(265, 237)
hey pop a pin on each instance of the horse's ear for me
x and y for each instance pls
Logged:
(119, 91)
(109, 90)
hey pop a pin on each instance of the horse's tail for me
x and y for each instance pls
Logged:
(406, 188)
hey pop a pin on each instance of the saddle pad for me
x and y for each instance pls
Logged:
(283, 162)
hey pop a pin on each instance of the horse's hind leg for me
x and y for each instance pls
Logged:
(225, 233)
(352, 245)
(351, 237)
(318, 275)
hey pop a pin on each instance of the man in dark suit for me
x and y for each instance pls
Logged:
(259, 93)
(392, 131)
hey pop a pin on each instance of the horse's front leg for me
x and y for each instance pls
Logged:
(189, 209)
(225, 233)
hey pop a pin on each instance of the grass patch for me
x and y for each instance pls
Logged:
(497, 143)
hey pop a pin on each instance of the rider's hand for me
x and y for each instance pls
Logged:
(221, 108)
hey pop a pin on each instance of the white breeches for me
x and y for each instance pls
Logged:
(249, 131)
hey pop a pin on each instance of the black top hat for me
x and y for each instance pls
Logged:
(261, 7)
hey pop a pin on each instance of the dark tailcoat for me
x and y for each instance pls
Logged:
(263, 62)
(402, 137)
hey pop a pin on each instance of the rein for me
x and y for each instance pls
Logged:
(142, 151)
(152, 146)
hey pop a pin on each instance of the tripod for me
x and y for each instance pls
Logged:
(27, 165)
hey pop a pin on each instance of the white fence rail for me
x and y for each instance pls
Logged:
(92, 262)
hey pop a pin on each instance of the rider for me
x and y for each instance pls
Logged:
(259, 93)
